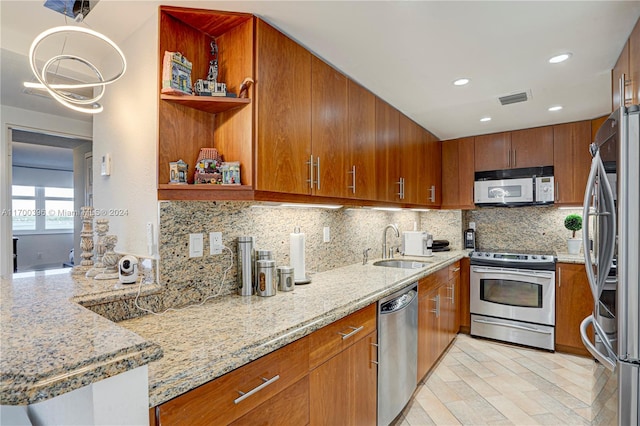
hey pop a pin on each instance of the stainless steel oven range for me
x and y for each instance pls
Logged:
(513, 297)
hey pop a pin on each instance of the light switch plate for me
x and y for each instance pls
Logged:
(196, 243)
(326, 234)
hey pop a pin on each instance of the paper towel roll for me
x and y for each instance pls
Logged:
(296, 255)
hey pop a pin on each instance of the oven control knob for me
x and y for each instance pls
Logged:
(543, 257)
(534, 257)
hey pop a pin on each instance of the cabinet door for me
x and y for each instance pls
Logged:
(572, 161)
(432, 170)
(343, 390)
(283, 117)
(493, 152)
(428, 335)
(412, 155)
(621, 67)
(464, 313)
(387, 152)
(328, 129)
(361, 167)
(532, 147)
(574, 303)
(458, 173)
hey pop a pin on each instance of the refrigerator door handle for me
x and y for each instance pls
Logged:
(609, 361)
(585, 228)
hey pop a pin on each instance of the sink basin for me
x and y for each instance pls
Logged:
(405, 264)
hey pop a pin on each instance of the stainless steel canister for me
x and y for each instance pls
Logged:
(245, 265)
(285, 278)
(266, 273)
(260, 255)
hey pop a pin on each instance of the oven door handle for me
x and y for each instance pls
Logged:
(513, 272)
(519, 327)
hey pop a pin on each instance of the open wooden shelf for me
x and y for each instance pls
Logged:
(210, 104)
(205, 192)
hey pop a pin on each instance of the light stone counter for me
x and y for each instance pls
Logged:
(564, 257)
(51, 345)
(203, 342)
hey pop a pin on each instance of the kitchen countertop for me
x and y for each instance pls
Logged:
(564, 257)
(51, 345)
(201, 343)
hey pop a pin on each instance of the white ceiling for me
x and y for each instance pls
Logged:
(409, 52)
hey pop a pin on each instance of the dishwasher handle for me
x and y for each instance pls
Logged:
(399, 303)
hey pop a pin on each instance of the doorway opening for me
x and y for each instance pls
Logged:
(51, 179)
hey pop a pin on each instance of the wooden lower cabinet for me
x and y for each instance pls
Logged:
(464, 291)
(574, 303)
(343, 390)
(438, 316)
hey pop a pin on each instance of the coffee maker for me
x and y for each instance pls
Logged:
(470, 239)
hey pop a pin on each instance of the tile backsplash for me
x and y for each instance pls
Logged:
(521, 228)
(351, 231)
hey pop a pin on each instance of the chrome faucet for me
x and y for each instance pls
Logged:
(386, 255)
(365, 256)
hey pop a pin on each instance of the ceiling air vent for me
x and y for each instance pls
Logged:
(514, 98)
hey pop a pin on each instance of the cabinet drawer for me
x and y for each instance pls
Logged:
(335, 337)
(454, 270)
(220, 401)
(432, 281)
(291, 406)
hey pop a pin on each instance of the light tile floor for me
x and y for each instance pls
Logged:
(481, 382)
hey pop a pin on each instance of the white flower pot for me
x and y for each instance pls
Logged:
(573, 245)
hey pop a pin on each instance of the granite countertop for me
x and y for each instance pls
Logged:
(51, 345)
(203, 342)
(564, 257)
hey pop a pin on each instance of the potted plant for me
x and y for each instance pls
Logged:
(573, 222)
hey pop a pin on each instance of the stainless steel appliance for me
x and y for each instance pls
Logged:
(266, 274)
(612, 215)
(513, 297)
(470, 239)
(397, 352)
(516, 187)
(245, 265)
(417, 243)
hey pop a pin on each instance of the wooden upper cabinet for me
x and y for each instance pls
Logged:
(432, 170)
(532, 147)
(634, 64)
(621, 67)
(492, 152)
(412, 155)
(329, 113)
(457, 173)
(283, 118)
(387, 152)
(572, 161)
(361, 163)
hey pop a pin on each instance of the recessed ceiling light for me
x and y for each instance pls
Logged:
(483, 119)
(461, 81)
(555, 108)
(559, 58)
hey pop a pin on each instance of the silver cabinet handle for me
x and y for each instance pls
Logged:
(318, 174)
(432, 197)
(399, 183)
(353, 179)
(456, 269)
(515, 161)
(266, 383)
(453, 294)
(557, 191)
(345, 336)
(437, 309)
(310, 163)
(372, 361)
(559, 276)
(402, 180)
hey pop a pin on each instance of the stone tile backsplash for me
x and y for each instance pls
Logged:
(352, 230)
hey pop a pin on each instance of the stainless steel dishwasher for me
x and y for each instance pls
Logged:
(397, 352)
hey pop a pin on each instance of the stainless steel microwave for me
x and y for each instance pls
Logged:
(519, 187)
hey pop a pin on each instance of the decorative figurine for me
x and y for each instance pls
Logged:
(176, 74)
(178, 172)
(109, 259)
(86, 242)
(210, 86)
(102, 227)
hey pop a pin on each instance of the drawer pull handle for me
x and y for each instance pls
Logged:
(266, 383)
(355, 330)
(456, 269)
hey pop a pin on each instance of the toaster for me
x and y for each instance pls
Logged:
(417, 243)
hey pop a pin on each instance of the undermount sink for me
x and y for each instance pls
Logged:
(405, 264)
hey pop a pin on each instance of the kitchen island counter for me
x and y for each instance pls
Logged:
(51, 345)
(201, 343)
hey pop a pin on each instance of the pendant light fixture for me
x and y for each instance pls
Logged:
(61, 92)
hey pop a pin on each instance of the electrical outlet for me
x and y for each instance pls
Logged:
(215, 242)
(196, 243)
(326, 234)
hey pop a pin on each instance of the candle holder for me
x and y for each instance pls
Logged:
(102, 227)
(86, 242)
(109, 259)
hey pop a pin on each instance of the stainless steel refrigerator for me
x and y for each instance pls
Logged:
(611, 212)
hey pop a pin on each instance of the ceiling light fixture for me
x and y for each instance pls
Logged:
(461, 81)
(555, 108)
(559, 58)
(60, 91)
(485, 119)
